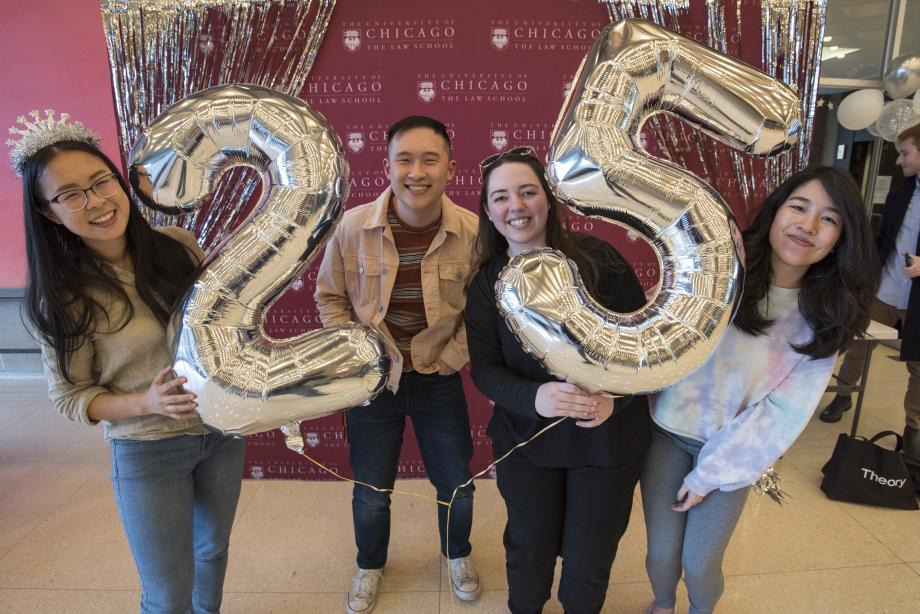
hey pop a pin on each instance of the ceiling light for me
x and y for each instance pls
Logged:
(833, 52)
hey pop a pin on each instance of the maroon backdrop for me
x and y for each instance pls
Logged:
(496, 74)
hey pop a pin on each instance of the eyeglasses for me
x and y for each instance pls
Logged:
(526, 151)
(76, 200)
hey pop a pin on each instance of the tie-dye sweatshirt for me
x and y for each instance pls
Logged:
(749, 401)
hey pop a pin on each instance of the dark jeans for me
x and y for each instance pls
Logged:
(578, 513)
(439, 415)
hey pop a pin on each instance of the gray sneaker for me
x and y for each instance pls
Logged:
(362, 596)
(463, 578)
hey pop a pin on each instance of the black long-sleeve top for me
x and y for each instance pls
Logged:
(510, 377)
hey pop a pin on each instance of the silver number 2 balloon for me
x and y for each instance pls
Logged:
(247, 382)
(596, 166)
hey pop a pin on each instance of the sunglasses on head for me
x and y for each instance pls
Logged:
(526, 151)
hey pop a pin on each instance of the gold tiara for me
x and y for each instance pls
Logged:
(40, 133)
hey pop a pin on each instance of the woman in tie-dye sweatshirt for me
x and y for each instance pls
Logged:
(809, 279)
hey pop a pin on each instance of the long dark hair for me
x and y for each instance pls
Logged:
(490, 243)
(66, 279)
(836, 292)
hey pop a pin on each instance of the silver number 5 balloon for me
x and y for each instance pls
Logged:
(247, 382)
(596, 166)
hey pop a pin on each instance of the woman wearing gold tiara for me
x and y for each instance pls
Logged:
(101, 283)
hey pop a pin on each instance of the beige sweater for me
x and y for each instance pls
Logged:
(121, 362)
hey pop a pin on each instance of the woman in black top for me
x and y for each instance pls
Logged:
(569, 492)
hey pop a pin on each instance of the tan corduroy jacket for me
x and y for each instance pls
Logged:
(358, 272)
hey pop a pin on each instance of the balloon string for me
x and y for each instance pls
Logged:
(371, 486)
(294, 441)
(291, 441)
(503, 457)
(453, 497)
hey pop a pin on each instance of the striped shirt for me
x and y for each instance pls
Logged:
(405, 316)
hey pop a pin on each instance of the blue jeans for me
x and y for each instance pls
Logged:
(177, 498)
(437, 406)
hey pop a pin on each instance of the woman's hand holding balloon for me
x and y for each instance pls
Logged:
(166, 397)
(602, 412)
(565, 400)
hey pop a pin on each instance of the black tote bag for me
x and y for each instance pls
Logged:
(860, 471)
(913, 468)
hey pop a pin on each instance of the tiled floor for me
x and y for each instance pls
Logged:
(62, 549)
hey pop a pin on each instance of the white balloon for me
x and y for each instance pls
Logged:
(860, 109)
(897, 116)
(873, 130)
(903, 76)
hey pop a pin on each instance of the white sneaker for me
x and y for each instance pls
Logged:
(362, 596)
(464, 579)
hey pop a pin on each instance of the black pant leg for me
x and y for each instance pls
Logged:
(535, 500)
(598, 504)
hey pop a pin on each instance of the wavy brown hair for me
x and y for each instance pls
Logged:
(490, 243)
(836, 292)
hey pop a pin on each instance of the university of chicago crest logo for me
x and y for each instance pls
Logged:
(426, 91)
(351, 39)
(355, 141)
(256, 472)
(312, 439)
(500, 37)
(499, 139)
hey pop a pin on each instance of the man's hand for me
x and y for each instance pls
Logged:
(914, 269)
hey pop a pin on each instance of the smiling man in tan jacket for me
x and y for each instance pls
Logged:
(401, 265)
